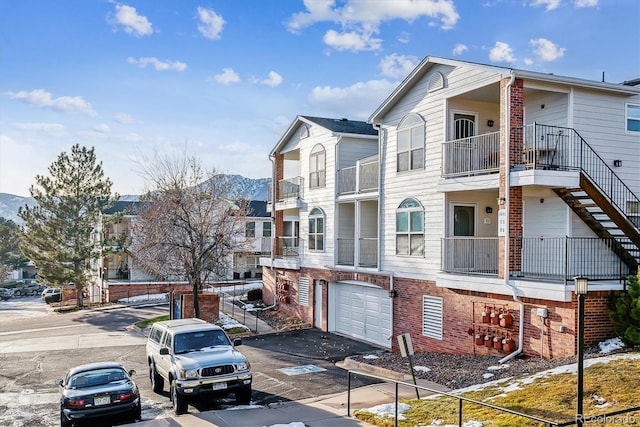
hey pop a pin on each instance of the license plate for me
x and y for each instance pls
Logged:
(218, 386)
(102, 400)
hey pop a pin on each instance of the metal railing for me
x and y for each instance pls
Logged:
(363, 177)
(562, 258)
(461, 399)
(286, 246)
(289, 188)
(265, 244)
(474, 155)
(470, 255)
(367, 252)
(346, 251)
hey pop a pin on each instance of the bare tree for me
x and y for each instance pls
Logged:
(187, 229)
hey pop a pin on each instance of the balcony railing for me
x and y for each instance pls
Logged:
(363, 177)
(470, 255)
(547, 258)
(289, 188)
(563, 258)
(287, 247)
(265, 245)
(367, 252)
(475, 155)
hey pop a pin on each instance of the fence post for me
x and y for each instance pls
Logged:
(459, 412)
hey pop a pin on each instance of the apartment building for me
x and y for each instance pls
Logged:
(461, 212)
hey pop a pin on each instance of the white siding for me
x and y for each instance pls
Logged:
(351, 149)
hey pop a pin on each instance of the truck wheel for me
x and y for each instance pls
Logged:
(157, 382)
(243, 396)
(64, 421)
(180, 404)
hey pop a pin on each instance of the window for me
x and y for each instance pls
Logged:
(633, 118)
(266, 229)
(411, 143)
(432, 317)
(410, 228)
(316, 230)
(317, 167)
(250, 230)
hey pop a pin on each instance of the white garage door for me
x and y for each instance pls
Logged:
(363, 312)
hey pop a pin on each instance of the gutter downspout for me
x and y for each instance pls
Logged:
(514, 290)
(273, 207)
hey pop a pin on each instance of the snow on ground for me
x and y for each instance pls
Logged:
(611, 345)
(421, 369)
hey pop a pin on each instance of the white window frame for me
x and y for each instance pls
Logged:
(409, 233)
(412, 126)
(314, 237)
(318, 167)
(629, 118)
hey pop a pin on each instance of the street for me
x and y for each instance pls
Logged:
(38, 346)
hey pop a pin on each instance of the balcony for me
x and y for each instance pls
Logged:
(366, 251)
(475, 155)
(289, 193)
(537, 258)
(361, 178)
(287, 253)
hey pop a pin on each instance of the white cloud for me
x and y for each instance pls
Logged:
(585, 3)
(397, 66)
(360, 19)
(157, 64)
(135, 24)
(227, 76)
(459, 49)
(53, 129)
(546, 50)
(501, 52)
(211, 24)
(353, 41)
(123, 118)
(550, 4)
(356, 101)
(66, 104)
(273, 80)
(102, 128)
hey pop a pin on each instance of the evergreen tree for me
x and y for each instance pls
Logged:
(58, 231)
(10, 256)
(624, 310)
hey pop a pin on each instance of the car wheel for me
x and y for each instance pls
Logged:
(157, 382)
(180, 404)
(137, 414)
(243, 396)
(64, 421)
(16, 293)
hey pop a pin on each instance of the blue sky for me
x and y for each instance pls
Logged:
(222, 80)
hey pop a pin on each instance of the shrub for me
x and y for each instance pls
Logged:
(624, 310)
(254, 294)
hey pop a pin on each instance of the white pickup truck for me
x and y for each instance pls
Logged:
(196, 358)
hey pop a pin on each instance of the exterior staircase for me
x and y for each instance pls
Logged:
(612, 214)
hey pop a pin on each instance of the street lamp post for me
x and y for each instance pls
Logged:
(581, 285)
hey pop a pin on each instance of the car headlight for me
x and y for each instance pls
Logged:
(189, 373)
(243, 366)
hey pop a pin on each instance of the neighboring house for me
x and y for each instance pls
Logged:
(494, 188)
(257, 242)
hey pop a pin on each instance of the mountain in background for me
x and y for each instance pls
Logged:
(241, 187)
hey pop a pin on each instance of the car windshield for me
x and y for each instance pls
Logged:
(96, 377)
(200, 340)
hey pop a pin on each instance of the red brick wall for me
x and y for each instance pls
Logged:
(209, 306)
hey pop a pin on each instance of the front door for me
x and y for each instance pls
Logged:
(464, 222)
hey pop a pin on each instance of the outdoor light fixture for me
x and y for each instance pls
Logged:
(488, 209)
(490, 123)
(581, 285)
(617, 163)
(502, 201)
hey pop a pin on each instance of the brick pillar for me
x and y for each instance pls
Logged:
(278, 217)
(514, 99)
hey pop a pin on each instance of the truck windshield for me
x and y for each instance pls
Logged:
(198, 341)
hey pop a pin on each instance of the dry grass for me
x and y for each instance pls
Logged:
(552, 398)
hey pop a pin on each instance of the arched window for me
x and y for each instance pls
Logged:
(316, 230)
(317, 163)
(411, 143)
(410, 228)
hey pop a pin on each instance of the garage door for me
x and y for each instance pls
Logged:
(363, 312)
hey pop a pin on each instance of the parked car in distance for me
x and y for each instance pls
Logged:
(5, 294)
(98, 391)
(27, 289)
(52, 293)
(196, 358)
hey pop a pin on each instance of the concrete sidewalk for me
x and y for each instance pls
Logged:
(324, 411)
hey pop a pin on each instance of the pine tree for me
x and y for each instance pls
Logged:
(624, 310)
(57, 234)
